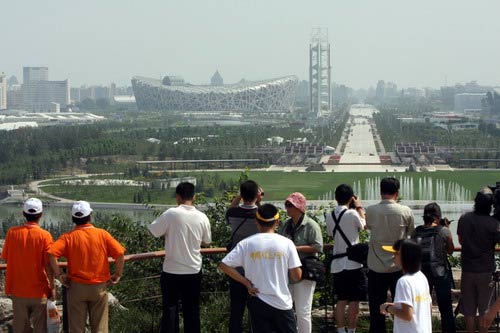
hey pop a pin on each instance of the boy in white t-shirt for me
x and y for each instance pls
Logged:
(268, 259)
(412, 300)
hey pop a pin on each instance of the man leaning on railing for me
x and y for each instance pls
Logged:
(185, 230)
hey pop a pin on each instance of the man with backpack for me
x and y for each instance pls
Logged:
(437, 243)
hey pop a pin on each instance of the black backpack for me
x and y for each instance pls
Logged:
(434, 253)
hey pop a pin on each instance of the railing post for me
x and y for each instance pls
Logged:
(65, 310)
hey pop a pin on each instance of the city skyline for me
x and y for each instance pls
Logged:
(418, 44)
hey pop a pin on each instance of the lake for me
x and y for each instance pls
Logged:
(56, 214)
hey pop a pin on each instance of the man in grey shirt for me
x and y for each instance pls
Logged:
(241, 219)
(387, 221)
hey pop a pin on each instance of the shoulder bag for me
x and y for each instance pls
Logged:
(230, 245)
(357, 252)
(312, 267)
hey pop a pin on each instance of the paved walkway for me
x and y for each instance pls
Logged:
(360, 147)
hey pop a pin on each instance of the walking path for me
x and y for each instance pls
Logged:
(360, 147)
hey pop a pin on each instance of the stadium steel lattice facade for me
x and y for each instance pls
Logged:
(274, 95)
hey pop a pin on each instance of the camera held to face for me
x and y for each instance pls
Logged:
(445, 222)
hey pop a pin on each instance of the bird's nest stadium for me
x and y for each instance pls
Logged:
(172, 94)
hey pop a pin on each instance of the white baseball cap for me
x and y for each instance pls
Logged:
(33, 206)
(81, 209)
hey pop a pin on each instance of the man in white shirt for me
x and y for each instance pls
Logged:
(185, 230)
(349, 280)
(268, 259)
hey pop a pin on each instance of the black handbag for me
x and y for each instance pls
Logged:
(313, 269)
(357, 252)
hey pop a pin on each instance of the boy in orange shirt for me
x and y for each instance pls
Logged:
(87, 248)
(29, 281)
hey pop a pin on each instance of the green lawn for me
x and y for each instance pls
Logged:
(277, 185)
(122, 194)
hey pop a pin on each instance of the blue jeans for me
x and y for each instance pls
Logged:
(442, 286)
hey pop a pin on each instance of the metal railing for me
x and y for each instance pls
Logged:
(161, 254)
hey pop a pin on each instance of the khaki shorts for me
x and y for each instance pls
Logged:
(476, 293)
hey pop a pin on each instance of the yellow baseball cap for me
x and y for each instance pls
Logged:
(388, 248)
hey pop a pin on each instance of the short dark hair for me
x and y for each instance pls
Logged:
(411, 256)
(343, 193)
(267, 211)
(483, 202)
(249, 190)
(32, 217)
(81, 220)
(185, 190)
(389, 185)
(431, 211)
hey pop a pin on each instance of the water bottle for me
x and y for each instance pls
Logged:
(53, 318)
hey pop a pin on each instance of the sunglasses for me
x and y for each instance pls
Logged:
(288, 204)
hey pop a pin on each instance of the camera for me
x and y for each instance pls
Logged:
(445, 222)
(496, 199)
(352, 205)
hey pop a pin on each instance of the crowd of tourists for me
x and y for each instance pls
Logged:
(272, 267)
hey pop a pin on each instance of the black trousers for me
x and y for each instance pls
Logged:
(267, 319)
(186, 288)
(378, 284)
(238, 294)
(442, 287)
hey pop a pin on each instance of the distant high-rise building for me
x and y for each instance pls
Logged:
(217, 79)
(342, 93)
(320, 73)
(380, 91)
(32, 74)
(112, 93)
(75, 95)
(302, 94)
(87, 92)
(39, 92)
(101, 92)
(469, 101)
(3, 91)
(391, 90)
(12, 81)
(15, 98)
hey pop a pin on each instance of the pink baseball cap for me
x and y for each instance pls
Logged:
(298, 200)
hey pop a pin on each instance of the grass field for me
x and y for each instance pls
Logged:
(121, 194)
(277, 185)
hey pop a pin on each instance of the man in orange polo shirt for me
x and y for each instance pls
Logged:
(28, 279)
(86, 249)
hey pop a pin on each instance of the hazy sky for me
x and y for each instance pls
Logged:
(413, 43)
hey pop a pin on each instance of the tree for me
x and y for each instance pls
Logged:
(102, 103)
(87, 103)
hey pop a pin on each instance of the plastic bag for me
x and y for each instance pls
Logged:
(53, 317)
